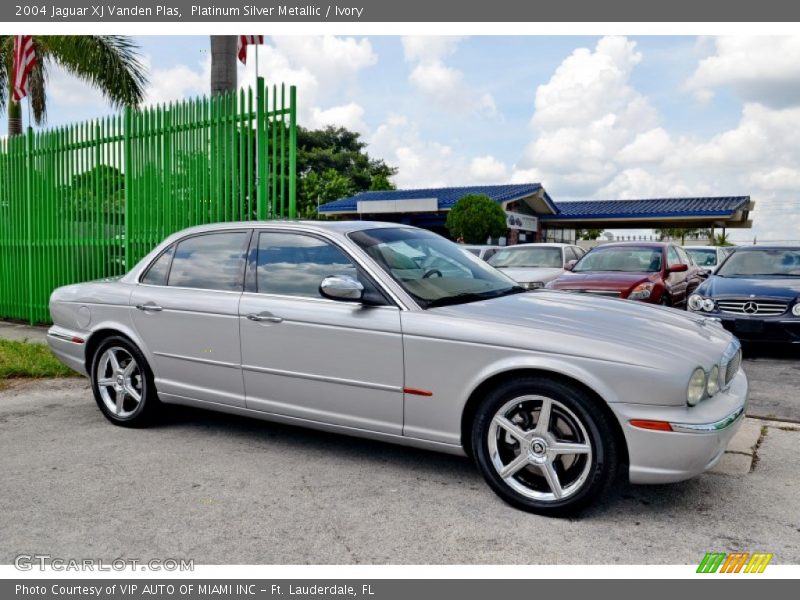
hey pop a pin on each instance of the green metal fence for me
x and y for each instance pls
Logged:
(87, 201)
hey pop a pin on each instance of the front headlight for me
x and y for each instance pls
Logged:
(712, 387)
(532, 285)
(796, 309)
(708, 305)
(641, 291)
(697, 387)
(695, 302)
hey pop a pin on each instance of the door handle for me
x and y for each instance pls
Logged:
(264, 316)
(149, 307)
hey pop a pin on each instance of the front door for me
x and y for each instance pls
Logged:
(310, 357)
(186, 312)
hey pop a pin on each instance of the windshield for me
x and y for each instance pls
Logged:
(621, 258)
(435, 271)
(703, 257)
(754, 263)
(528, 256)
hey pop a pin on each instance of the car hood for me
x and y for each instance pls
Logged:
(601, 280)
(526, 274)
(603, 328)
(760, 287)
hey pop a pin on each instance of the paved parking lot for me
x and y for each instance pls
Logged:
(223, 489)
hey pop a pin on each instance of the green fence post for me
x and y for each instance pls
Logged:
(29, 216)
(127, 180)
(292, 152)
(261, 179)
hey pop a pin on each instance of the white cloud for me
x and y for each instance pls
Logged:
(178, 82)
(488, 169)
(596, 136)
(760, 69)
(70, 91)
(424, 48)
(443, 84)
(350, 116)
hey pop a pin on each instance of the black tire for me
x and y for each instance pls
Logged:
(665, 300)
(598, 470)
(132, 413)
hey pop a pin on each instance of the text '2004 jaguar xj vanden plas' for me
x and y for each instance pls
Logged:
(394, 333)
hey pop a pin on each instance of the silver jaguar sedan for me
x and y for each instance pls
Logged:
(394, 333)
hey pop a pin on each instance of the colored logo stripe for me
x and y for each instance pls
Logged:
(733, 563)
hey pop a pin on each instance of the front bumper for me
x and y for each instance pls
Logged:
(697, 441)
(784, 329)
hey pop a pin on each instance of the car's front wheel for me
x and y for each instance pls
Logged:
(543, 446)
(123, 383)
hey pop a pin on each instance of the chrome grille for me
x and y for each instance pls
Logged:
(733, 367)
(764, 308)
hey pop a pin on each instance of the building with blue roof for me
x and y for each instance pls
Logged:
(532, 215)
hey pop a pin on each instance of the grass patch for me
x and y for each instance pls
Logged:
(26, 359)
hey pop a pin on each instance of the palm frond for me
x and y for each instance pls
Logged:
(109, 63)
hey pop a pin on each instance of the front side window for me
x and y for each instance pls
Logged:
(433, 270)
(672, 256)
(620, 258)
(213, 261)
(291, 264)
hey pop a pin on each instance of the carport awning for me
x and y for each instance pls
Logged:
(655, 213)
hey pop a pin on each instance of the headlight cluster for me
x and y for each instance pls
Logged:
(641, 291)
(698, 303)
(532, 285)
(702, 385)
(796, 309)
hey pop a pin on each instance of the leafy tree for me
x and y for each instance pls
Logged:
(332, 163)
(109, 63)
(588, 234)
(677, 233)
(722, 239)
(476, 217)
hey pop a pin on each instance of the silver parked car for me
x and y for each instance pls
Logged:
(394, 333)
(533, 266)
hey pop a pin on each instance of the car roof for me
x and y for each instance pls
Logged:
(768, 247)
(539, 244)
(635, 245)
(335, 226)
(705, 247)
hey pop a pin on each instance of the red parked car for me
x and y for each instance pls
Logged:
(654, 272)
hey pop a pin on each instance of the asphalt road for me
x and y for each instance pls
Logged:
(222, 489)
(774, 376)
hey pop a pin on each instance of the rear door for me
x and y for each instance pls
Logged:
(186, 311)
(677, 282)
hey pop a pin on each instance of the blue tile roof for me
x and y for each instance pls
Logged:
(650, 207)
(446, 197)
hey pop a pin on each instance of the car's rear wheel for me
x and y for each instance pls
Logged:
(123, 383)
(543, 446)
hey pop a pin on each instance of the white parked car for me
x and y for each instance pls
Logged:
(535, 265)
(708, 257)
(483, 252)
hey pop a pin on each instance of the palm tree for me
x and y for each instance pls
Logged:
(677, 233)
(722, 239)
(110, 63)
(223, 63)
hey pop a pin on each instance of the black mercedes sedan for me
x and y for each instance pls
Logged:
(755, 293)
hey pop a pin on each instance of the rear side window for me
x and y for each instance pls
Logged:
(159, 269)
(212, 261)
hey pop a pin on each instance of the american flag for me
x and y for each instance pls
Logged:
(247, 40)
(24, 60)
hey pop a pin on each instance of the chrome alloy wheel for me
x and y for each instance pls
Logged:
(540, 448)
(119, 380)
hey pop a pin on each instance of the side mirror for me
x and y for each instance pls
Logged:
(679, 268)
(704, 273)
(341, 287)
(570, 265)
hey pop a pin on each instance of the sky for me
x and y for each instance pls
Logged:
(588, 117)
